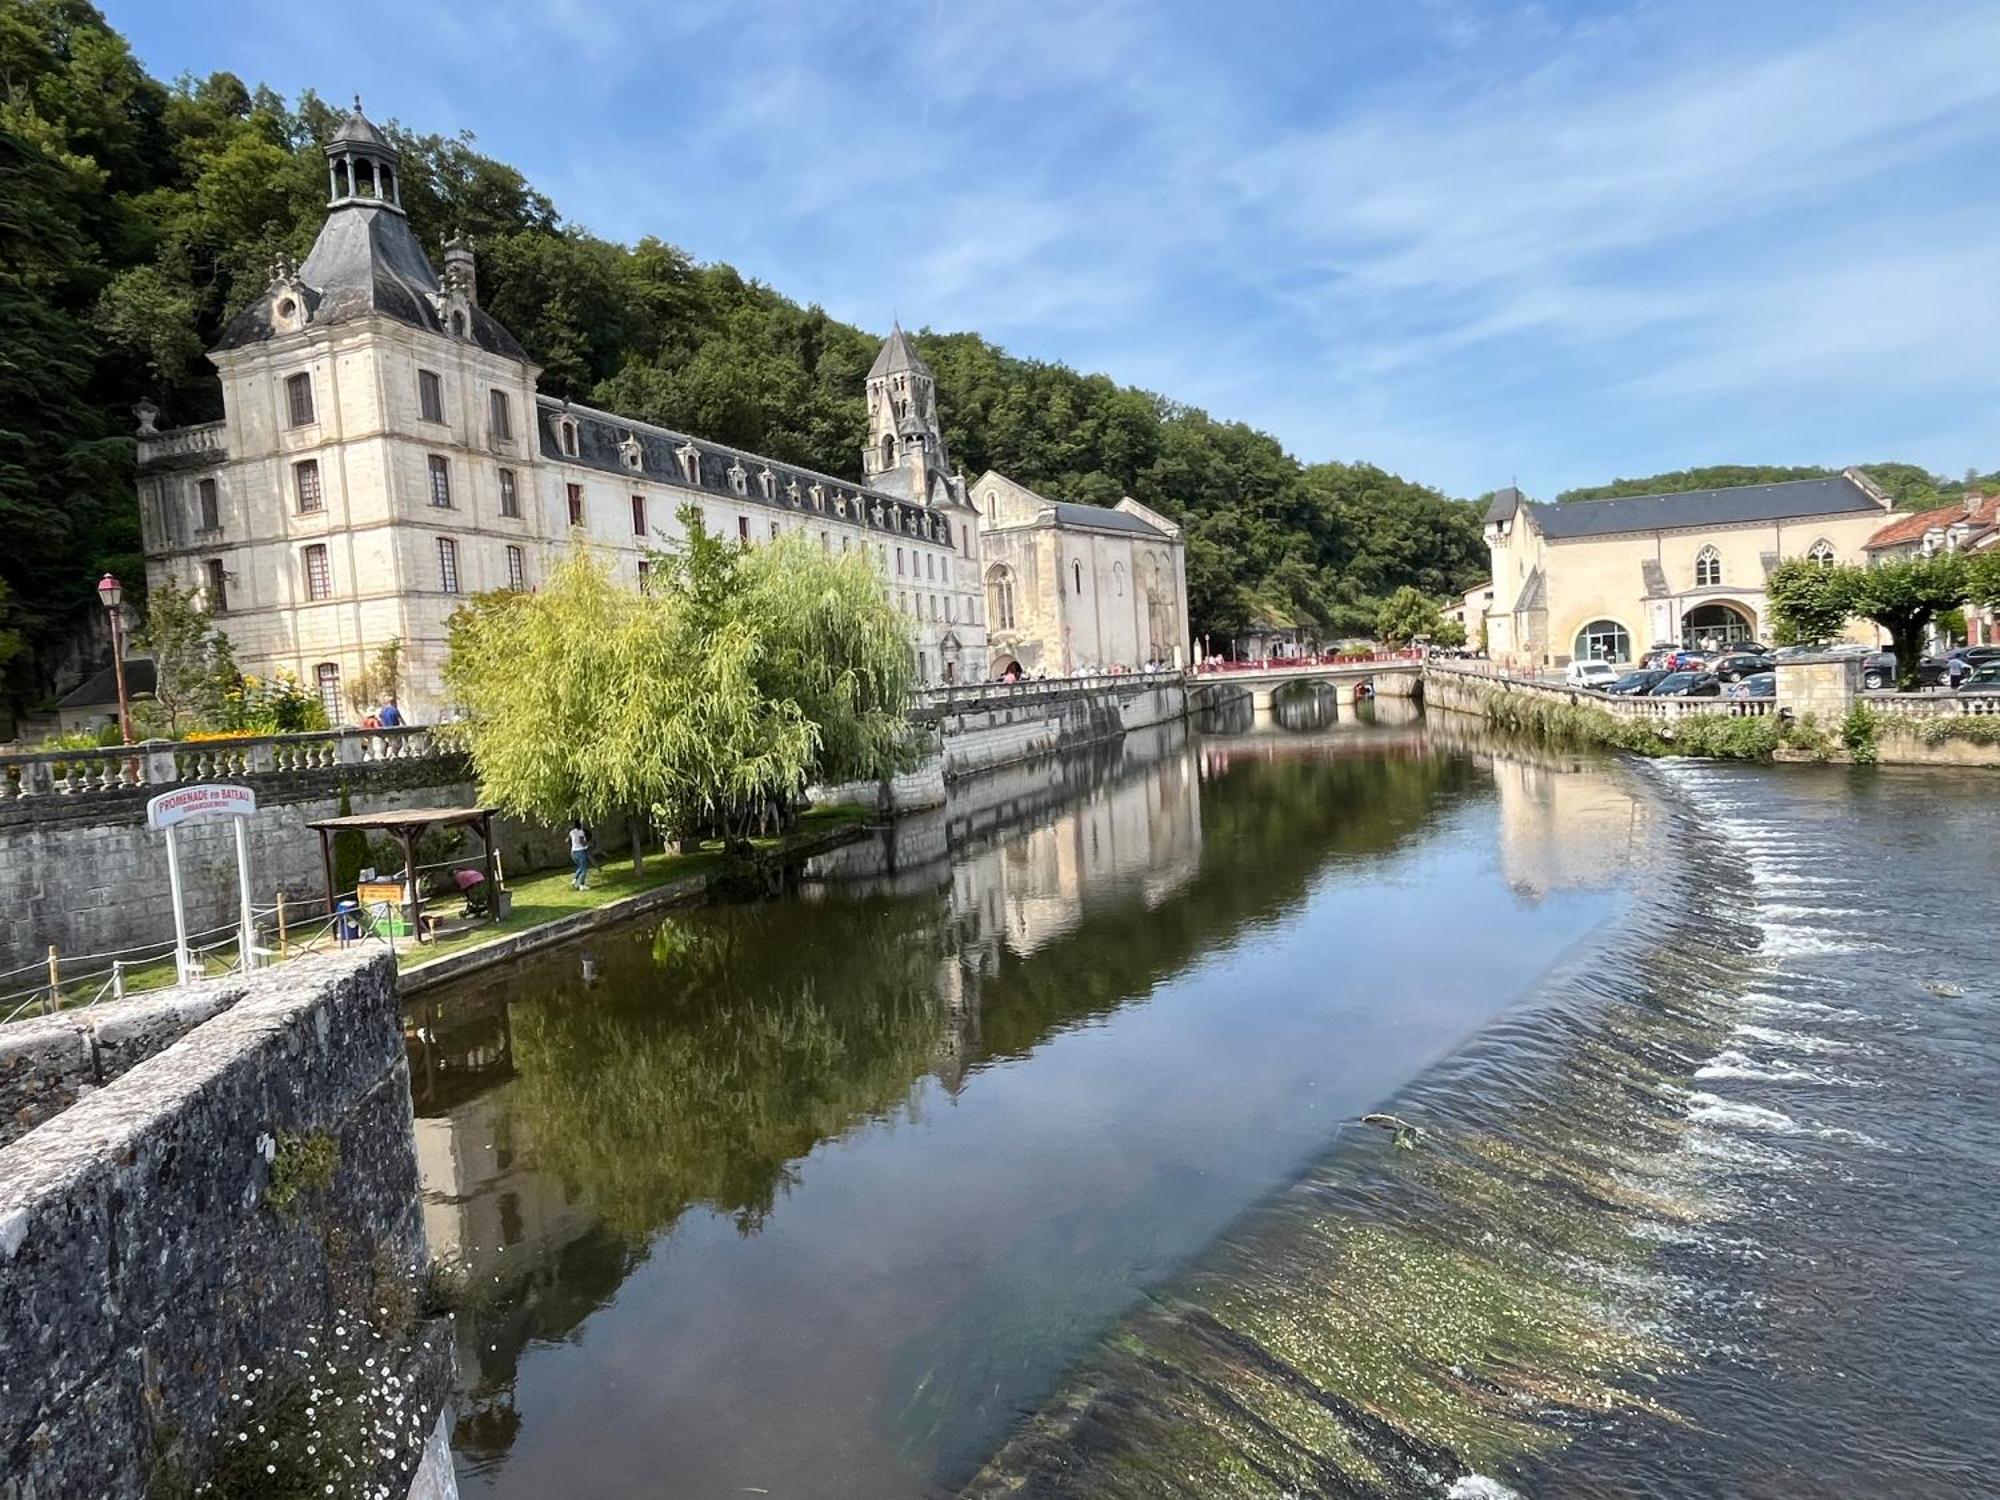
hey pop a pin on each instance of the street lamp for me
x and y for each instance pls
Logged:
(113, 593)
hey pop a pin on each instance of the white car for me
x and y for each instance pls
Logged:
(1590, 674)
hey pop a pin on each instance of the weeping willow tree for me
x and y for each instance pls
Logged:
(709, 702)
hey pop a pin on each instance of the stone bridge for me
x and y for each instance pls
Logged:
(1397, 674)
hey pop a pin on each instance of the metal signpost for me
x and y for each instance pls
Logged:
(167, 812)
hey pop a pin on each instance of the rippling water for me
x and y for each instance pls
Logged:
(1018, 1154)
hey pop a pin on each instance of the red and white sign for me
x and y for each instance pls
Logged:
(205, 801)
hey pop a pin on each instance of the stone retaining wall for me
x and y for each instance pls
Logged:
(145, 1267)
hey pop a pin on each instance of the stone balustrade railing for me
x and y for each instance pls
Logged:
(1668, 710)
(202, 440)
(974, 695)
(1939, 705)
(165, 763)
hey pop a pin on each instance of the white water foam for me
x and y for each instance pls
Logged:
(1736, 1065)
(1795, 1041)
(1759, 1003)
(1479, 1487)
(1708, 1109)
(1791, 940)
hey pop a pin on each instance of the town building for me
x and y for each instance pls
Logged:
(1610, 578)
(1079, 588)
(1970, 526)
(385, 453)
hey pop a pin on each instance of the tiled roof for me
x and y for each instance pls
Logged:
(1911, 528)
(101, 687)
(1738, 506)
(601, 437)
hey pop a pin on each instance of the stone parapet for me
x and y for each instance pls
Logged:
(153, 1251)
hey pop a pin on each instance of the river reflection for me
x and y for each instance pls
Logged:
(822, 1195)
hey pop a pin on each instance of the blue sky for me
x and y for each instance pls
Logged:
(1470, 242)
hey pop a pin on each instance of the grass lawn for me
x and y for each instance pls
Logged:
(546, 896)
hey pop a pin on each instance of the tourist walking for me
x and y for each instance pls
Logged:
(579, 853)
(388, 716)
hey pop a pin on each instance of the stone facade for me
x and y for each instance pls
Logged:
(385, 452)
(1079, 588)
(1612, 578)
(145, 1268)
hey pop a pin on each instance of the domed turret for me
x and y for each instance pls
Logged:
(362, 167)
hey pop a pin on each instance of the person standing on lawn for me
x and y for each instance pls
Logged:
(579, 852)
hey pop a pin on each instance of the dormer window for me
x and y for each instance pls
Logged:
(817, 495)
(792, 492)
(631, 454)
(1707, 568)
(739, 478)
(769, 481)
(566, 436)
(690, 457)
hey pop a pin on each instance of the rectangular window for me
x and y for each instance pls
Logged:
(326, 676)
(430, 396)
(944, 567)
(742, 528)
(298, 400)
(211, 509)
(575, 492)
(216, 578)
(824, 544)
(499, 415)
(933, 606)
(319, 577)
(510, 497)
(930, 566)
(645, 575)
(638, 515)
(899, 562)
(305, 485)
(440, 470)
(517, 570)
(774, 531)
(447, 565)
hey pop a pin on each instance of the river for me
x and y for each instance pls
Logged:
(1018, 1152)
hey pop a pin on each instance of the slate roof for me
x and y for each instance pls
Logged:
(101, 687)
(366, 260)
(898, 353)
(1741, 505)
(601, 435)
(1503, 504)
(356, 130)
(1105, 519)
(1534, 593)
(1911, 528)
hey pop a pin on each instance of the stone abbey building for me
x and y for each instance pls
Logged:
(384, 453)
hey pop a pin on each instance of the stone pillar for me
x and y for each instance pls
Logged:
(1823, 685)
(1262, 700)
(1345, 691)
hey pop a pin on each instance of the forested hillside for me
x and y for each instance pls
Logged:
(1912, 487)
(135, 216)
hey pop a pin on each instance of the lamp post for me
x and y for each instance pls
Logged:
(113, 594)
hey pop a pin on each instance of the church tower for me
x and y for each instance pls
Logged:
(904, 438)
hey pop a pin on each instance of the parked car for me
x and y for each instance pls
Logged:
(1739, 665)
(1756, 685)
(1984, 679)
(1590, 674)
(1688, 685)
(1880, 671)
(1638, 684)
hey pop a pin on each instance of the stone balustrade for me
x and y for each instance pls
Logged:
(205, 440)
(32, 774)
(1939, 705)
(934, 702)
(1666, 710)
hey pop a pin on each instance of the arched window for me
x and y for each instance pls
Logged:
(1707, 568)
(1118, 580)
(992, 504)
(888, 449)
(1820, 553)
(1076, 569)
(1603, 640)
(1000, 596)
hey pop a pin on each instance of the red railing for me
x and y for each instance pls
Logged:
(1216, 667)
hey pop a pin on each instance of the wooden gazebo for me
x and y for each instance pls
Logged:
(408, 826)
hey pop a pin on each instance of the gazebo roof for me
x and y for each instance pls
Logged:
(408, 817)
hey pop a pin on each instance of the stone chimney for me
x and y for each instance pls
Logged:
(1973, 502)
(459, 271)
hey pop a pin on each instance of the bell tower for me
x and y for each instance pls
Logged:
(903, 431)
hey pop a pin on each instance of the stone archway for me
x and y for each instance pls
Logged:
(1724, 622)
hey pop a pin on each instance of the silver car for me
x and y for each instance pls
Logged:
(1985, 679)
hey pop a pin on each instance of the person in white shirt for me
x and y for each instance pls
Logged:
(579, 852)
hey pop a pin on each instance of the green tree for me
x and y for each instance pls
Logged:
(1407, 614)
(1903, 597)
(194, 666)
(710, 702)
(1982, 578)
(1809, 603)
(1449, 634)
(380, 680)
(350, 850)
